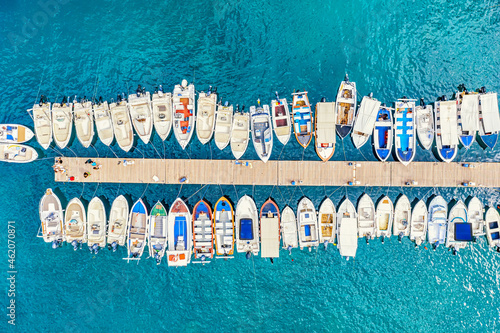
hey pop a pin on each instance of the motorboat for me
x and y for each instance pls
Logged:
(281, 119)
(384, 217)
(75, 224)
(139, 106)
(205, 118)
(118, 223)
(62, 122)
(157, 235)
(404, 130)
(382, 133)
(262, 132)
(324, 133)
(493, 228)
(51, 218)
(366, 217)
(475, 209)
(302, 118)
(364, 123)
(103, 122)
(489, 118)
(446, 129)
(223, 125)
(183, 112)
(137, 230)
(162, 112)
(270, 229)
(307, 224)
(327, 222)
(122, 126)
(347, 230)
(424, 122)
(418, 224)
(180, 234)
(345, 106)
(467, 117)
(13, 133)
(224, 228)
(289, 229)
(459, 228)
(96, 225)
(42, 119)
(402, 218)
(12, 153)
(247, 227)
(203, 235)
(437, 222)
(84, 121)
(240, 133)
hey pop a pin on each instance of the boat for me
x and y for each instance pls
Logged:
(122, 127)
(224, 228)
(302, 118)
(137, 231)
(223, 125)
(382, 133)
(205, 118)
(475, 209)
(345, 106)
(51, 219)
(289, 229)
(96, 225)
(418, 224)
(384, 217)
(402, 218)
(139, 106)
(42, 119)
(13, 133)
(365, 120)
(247, 227)
(366, 217)
(347, 230)
(281, 119)
(75, 224)
(270, 229)
(203, 236)
(17, 153)
(162, 112)
(240, 133)
(183, 111)
(467, 117)
(446, 129)
(307, 224)
(262, 132)
(324, 132)
(437, 222)
(62, 122)
(180, 234)
(327, 223)
(404, 130)
(459, 229)
(424, 122)
(489, 118)
(493, 228)
(118, 223)
(84, 121)
(157, 235)
(103, 122)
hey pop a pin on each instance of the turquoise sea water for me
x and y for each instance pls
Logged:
(248, 49)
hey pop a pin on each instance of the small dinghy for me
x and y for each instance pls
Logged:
(446, 129)
(262, 133)
(247, 227)
(12, 133)
(493, 228)
(475, 209)
(75, 224)
(302, 118)
(324, 133)
(437, 222)
(51, 218)
(96, 225)
(468, 117)
(346, 104)
(42, 119)
(418, 224)
(365, 121)
(402, 218)
(180, 234)
(404, 130)
(327, 223)
(224, 228)
(62, 122)
(347, 230)
(84, 121)
(459, 229)
(118, 223)
(489, 118)
(366, 217)
(122, 127)
(103, 122)
(183, 109)
(307, 224)
(382, 133)
(384, 217)
(240, 133)
(289, 229)
(270, 229)
(17, 153)
(223, 125)
(424, 121)
(205, 118)
(139, 105)
(137, 230)
(162, 112)
(157, 235)
(281, 119)
(203, 236)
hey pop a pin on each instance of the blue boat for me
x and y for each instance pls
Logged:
(180, 236)
(302, 118)
(382, 134)
(138, 226)
(404, 134)
(489, 118)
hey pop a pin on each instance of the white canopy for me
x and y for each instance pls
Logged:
(325, 122)
(348, 237)
(470, 112)
(449, 123)
(489, 110)
(367, 115)
(270, 237)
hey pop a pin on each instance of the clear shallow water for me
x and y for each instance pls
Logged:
(249, 50)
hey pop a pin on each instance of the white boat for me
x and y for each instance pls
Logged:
(307, 224)
(270, 229)
(162, 113)
(62, 122)
(347, 230)
(327, 222)
(289, 229)
(366, 217)
(13, 133)
(122, 127)
(468, 117)
(424, 121)
(51, 218)
(475, 209)
(345, 105)
(402, 218)
(489, 118)
(42, 119)
(205, 118)
(281, 119)
(180, 234)
(324, 133)
(384, 217)
(404, 130)
(103, 122)
(183, 112)
(118, 223)
(137, 231)
(84, 122)
(418, 224)
(493, 228)
(240, 133)
(224, 228)
(223, 125)
(139, 106)
(75, 224)
(262, 132)
(445, 113)
(456, 221)
(203, 234)
(157, 235)
(247, 227)
(365, 121)
(382, 133)
(437, 222)
(302, 118)
(96, 225)
(12, 153)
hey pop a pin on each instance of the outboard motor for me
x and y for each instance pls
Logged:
(135, 254)
(289, 249)
(310, 249)
(498, 249)
(277, 96)
(400, 237)
(215, 90)
(346, 78)
(482, 90)
(184, 83)
(367, 237)
(123, 96)
(454, 251)
(323, 99)
(370, 95)
(248, 255)
(272, 260)
(203, 259)
(84, 99)
(226, 103)
(383, 239)
(434, 246)
(64, 100)
(95, 247)
(160, 88)
(422, 103)
(237, 107)
(75, 245)
(100, 100)
(55, 245)
(444, 98)
(118, 98)
(242, 108)
(209, 90)
(144, 90)
(326, 244)
(138, 91)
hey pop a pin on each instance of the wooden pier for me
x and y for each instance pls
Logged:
(282, 173)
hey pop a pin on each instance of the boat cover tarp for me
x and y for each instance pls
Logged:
(348, 237)
(489, 110)
(246, 229)
(463, 232)
(470, 112)
(270, 237)
(367, 115)
(325, 122)
(448, 121)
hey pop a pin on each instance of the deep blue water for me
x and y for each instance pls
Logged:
(248, 50)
